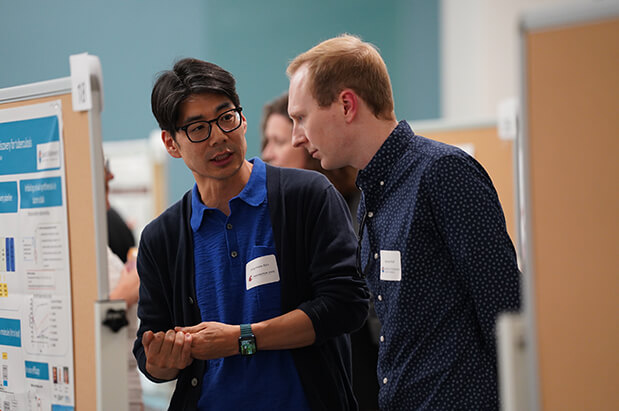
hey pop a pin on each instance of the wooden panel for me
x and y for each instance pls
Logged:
(572, 107)
(81, 245)
(496, 157)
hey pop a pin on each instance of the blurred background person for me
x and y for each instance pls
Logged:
(277, 150)
(124, 284)
(119, 236)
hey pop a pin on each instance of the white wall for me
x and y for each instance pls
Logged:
(480, 54)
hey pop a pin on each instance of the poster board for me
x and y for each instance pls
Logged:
(569, 227)
(81, 241)
(79, 103)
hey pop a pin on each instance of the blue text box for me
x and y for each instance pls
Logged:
(37, 370)
(10, 332)
(8, 197)
(40, 192)
(21, 142)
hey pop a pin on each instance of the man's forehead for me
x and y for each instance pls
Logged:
(210, 103)
(214, 99)
(298, 89)
(299, 78)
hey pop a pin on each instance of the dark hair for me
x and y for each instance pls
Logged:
(277, 106)
(188, 76)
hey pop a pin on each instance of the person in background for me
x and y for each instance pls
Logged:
(242, 299)
(433, 243)
(124, 283)
(277, 150)
(119, 236)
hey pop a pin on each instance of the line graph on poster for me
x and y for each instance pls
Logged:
(44, 326)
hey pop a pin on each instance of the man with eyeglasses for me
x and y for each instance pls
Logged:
(248, 283)
(432, 238)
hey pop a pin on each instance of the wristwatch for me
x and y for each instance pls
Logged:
(247, 341)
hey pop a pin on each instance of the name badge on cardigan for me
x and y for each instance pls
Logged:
(390, 265)
(261, 271)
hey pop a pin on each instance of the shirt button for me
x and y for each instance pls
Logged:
(380, 297)
(190, 301)
(385, 380)
(382, 338)
(229, 226)
(382, 183)
(234, 254)
(370, 214)
(194, 381)
(376, 256)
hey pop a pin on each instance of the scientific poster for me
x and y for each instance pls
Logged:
(36, 336)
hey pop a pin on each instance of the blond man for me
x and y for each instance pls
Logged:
(432, 239)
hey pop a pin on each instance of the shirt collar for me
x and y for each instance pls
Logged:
(254, 193)
(387, 156)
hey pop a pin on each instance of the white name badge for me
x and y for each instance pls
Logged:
(390, 265)
(261, 271)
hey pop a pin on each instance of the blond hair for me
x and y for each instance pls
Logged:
(347, 62)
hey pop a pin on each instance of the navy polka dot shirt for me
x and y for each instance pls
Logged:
(441, 267)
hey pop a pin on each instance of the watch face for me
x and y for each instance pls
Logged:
(247, 345)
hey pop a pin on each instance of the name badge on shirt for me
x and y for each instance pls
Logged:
(261, 271)
(390, 266)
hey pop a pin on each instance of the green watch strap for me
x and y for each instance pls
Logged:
(246, 330)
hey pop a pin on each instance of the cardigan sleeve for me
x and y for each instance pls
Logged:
(153, 304)
(317, 249)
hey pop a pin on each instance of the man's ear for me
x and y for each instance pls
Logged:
(170, 144)
(350, 104)
(244, 125)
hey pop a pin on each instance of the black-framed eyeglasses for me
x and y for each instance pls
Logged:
(362, 271)
(198, 131)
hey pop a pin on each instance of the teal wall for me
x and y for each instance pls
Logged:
(252, 39)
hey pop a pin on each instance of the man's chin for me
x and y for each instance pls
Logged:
(327, 165)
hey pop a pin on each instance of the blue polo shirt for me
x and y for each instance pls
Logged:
(224, 248)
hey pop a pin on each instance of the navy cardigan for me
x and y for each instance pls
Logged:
(316, 249)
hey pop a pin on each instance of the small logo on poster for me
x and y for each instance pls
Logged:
(48, 155)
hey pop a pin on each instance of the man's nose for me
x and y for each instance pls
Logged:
(298, 138)
(217, 136)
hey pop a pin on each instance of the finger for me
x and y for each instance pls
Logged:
(179, 341)
(169, 341)
(186, 351)
(153, 350)
(147, 337)
(191, 329)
